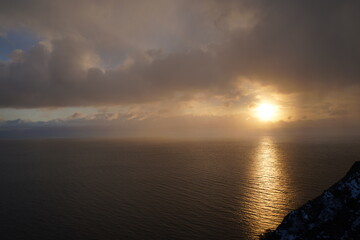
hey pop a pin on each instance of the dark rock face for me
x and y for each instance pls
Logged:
(335, 214)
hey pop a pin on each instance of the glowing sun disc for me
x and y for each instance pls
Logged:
(266, 111)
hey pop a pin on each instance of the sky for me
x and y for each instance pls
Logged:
(178, 68)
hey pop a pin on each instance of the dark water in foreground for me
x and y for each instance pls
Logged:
(102, 189)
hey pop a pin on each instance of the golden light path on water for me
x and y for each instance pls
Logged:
(268, 188)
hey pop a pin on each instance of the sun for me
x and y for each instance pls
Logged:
(266, 111)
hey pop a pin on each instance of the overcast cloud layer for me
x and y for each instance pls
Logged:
(178, 67)
(120, 52)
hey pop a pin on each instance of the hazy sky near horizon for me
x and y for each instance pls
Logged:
(178, 67)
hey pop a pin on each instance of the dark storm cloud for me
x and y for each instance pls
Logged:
(293, 45)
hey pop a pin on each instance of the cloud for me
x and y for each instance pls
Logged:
(301, 45)
(119, 26)
(61, 77)
(167, 49)
(3, 34)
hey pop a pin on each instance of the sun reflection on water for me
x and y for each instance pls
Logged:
(268, 188)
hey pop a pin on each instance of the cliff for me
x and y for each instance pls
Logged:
(335, 214)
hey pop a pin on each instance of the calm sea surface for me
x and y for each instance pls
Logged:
(116, 189)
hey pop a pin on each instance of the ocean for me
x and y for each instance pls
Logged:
(162, 189)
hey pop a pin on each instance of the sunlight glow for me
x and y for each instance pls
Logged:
(266, 111)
